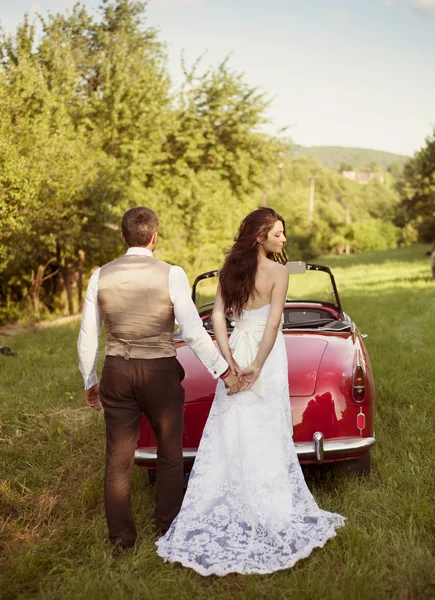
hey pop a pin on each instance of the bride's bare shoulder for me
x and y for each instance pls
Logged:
(278, 269)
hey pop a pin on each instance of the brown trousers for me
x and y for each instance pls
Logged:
(128, 388)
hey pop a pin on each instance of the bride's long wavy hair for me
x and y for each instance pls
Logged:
(237, 276)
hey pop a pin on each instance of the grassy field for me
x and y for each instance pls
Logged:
(52, 529)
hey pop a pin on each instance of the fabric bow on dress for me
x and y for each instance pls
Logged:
(244, 346)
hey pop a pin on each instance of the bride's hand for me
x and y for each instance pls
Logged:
(234, 367)
(248, 376)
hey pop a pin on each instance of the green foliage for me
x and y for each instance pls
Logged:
(417, 189)
(373, 235)
(345, 166)
(215, 129)
(92, 127)
(344, 211)
(358, 158)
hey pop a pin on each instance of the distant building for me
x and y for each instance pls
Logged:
(363, 176)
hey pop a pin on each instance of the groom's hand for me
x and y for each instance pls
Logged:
(92, 397)
(232, 384)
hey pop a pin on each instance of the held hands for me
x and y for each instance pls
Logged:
(241, 379)
(248, 376)
(231, 382)
(92, 397)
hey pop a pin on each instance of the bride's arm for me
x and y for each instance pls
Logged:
(220, 329)
(279, 294)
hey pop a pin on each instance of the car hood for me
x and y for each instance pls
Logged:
(304, 356)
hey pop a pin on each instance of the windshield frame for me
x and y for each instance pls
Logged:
(308, 267)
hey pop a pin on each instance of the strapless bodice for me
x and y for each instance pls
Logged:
(262, 312)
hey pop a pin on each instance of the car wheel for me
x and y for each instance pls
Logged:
(152, 476)
(359, 466)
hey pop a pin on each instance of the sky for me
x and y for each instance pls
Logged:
(357, 73)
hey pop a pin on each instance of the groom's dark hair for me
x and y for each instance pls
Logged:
(138, 226)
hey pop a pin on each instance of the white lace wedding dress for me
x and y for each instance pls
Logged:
(247, 508)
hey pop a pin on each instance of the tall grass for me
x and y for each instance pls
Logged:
(52, 526)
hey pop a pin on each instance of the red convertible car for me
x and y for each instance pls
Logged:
(332, 394)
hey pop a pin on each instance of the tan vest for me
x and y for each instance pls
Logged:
(134, 302)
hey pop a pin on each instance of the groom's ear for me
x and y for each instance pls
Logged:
(123, 238)
(154, 239)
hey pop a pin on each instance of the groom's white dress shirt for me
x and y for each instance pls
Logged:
(186, 315)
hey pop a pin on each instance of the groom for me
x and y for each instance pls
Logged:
(138, 298)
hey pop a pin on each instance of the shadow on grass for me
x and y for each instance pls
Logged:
(323, 476)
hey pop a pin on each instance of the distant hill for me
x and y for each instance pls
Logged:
(359, 158)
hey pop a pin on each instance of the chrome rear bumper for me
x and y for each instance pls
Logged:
(319, 448)
(316, 450)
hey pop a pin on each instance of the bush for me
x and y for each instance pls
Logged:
(10, 313)
(374, 234)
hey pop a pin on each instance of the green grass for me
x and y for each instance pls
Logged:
(52, 529)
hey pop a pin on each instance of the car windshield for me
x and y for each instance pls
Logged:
(313, 284)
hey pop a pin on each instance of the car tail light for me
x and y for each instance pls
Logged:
(359, 385)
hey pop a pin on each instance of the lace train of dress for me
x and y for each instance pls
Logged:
(247, 508)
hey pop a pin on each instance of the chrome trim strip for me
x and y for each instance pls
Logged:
(305, 450)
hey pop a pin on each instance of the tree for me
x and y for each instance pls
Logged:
(91, 127)
(395, 169)
(370, 204)
(417, 190)
(70, 145)
(372, 167)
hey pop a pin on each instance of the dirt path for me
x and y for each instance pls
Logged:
(14, 329)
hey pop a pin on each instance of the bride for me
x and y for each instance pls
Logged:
(247, 508)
